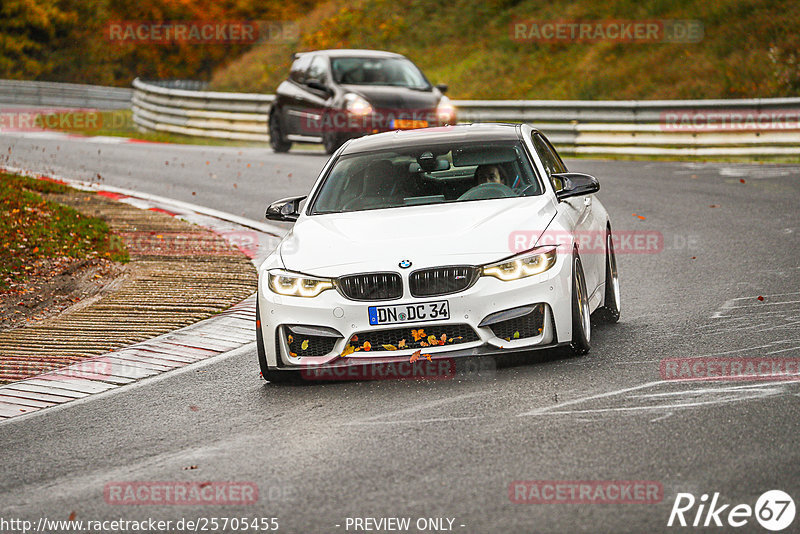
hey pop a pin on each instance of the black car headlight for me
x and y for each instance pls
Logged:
(357, 104)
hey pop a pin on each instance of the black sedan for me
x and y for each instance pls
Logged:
(335, 95)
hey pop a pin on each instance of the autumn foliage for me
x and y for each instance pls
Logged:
(67, 40)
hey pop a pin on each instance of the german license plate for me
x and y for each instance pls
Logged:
(409, 313)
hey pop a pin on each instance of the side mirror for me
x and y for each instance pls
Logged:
(575, 184)
(319, 85)
(442, 87)
(286, 209)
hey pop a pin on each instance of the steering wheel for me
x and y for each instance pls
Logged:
(527, 188)
(487, 191)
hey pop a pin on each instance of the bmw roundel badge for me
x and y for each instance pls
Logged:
(405, 264)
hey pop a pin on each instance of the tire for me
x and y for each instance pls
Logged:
(581, 323)
(270, 375)
(276, 138)
(331, 141)
(609, 311)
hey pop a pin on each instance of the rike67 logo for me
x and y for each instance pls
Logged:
(774, 510)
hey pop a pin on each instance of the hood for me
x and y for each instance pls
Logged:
(392, 97)
(471, 233)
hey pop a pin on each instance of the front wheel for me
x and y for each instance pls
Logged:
(331, 141)
(276, 138)
(609, 311)
(581, 324)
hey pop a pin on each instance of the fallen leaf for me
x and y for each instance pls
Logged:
(713, 206)
(418, 334)
(290, 339)
(760, 298)
(304, 344)
(516, 335)
(389, 347)
(354, 338)
(741, 181)
(194, 408)
(367, 345)
(402, 344)
(415, 356)
(349, 349)
(72, 515)
(428, 356)
(190, 467)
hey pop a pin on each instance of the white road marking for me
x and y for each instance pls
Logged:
(539, 411)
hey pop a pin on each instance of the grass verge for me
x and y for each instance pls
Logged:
(33, 229)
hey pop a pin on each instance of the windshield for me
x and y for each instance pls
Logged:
(427, 175)
(378, 71)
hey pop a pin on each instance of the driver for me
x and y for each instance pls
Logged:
(488, 174)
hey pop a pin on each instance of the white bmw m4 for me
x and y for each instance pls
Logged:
(450, 242)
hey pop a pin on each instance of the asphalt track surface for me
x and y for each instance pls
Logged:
(322, 453)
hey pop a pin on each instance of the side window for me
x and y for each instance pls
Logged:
(298, 71)
(552, 163)
(318, 69)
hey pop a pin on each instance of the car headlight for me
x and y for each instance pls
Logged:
(357, 104)
(445, 111)
(528, 264)
(293, 285)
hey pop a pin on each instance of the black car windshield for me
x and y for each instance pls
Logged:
(398, 72)
(437, 174)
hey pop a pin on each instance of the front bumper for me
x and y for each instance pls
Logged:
(338, 319)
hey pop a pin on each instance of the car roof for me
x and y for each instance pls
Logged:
(351, 52)
(427, 136)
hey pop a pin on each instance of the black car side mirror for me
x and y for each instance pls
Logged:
(442, 87)
(317, 84)
(575, 184)
(286, 209)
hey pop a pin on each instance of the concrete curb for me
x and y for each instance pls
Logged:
(228, 331)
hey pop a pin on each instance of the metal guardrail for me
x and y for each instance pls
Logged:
(628, 127)
(632, 127)
(67, 95)
(235, 116)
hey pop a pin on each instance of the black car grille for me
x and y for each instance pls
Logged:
(442, 280)
(414, 337)
(371, 286)
(529, 325)
(315, 345)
